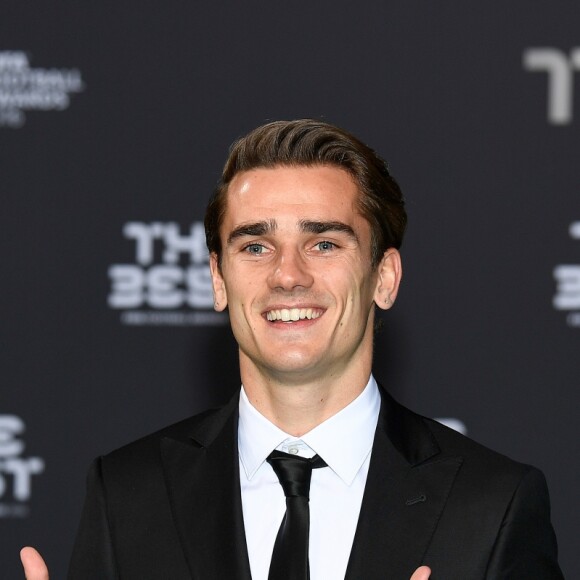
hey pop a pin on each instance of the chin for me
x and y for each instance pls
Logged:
(297, 366)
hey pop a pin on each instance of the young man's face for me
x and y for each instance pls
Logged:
(296, 273)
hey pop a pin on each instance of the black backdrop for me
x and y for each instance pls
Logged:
(114, 123)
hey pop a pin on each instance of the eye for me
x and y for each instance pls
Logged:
(254, 249)
(325, 246)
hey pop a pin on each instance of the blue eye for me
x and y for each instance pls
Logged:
(325, 246)
(254, 249)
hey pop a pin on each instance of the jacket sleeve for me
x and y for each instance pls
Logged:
(93, 556)
(526, 543)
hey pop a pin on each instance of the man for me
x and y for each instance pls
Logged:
(303, 232)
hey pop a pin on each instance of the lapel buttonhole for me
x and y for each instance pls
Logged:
(418, 499)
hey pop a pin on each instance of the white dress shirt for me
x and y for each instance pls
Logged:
(344, 441)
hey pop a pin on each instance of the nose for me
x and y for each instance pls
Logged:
(290, 271)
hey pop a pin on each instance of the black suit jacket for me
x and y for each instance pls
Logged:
(169, 507)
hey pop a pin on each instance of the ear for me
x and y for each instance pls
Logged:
(220, 297)
(389, 272)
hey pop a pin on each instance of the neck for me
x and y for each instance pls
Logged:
(297, 406)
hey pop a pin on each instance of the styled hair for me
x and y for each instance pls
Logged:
(308, 142)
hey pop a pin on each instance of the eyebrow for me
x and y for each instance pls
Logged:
(321, 227)
(253, 229)
(265, 227)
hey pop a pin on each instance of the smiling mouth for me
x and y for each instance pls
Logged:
(293, 314)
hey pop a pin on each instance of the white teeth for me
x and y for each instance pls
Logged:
(292, 314)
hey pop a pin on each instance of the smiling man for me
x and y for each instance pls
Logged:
(297, 274)
(312, 470)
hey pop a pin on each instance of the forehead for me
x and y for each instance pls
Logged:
(289, 193)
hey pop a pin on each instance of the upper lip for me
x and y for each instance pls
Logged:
(290, 306)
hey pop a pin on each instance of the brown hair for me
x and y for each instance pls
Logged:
(310, 142)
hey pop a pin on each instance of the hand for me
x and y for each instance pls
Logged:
(34, 566)
(421, 573)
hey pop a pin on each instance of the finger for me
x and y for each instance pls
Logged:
(34, 566)
(421, 573)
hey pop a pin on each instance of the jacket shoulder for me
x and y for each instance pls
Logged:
(483, 470)
(144, 453)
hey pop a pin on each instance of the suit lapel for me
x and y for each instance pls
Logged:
(407, 486)
(202, 477)
(406, 490)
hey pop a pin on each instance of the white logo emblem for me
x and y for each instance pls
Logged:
(15, 471)
(567, 276)
(560, 68)
(32, 89)
(170, 283)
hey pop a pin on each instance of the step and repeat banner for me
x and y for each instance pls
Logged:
(114, 124)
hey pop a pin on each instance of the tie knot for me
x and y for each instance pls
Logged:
(294, 472)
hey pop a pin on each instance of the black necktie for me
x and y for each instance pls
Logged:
(290, 555)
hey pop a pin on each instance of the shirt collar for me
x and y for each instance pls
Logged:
(344, 440)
